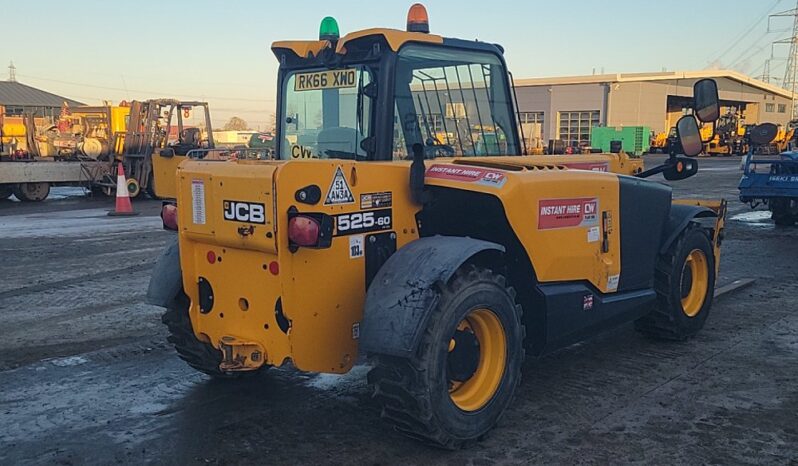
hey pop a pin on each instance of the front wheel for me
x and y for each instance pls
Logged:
(466, 368)
(685, 285)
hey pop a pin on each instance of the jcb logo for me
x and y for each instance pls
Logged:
(249, 212)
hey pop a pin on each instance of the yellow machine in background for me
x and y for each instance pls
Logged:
(447, 258)
(93, 132)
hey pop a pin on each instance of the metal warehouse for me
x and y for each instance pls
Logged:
(567, 108)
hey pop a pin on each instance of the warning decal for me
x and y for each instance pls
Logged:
(339, 192)
(567, 213)
(592, 166)
(198, 202)
(469, 174)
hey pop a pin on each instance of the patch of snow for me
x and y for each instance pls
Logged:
(353, 379)
(69, 361)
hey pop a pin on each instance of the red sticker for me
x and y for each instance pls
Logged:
(592, 166)
(467, 174)
(567, 213)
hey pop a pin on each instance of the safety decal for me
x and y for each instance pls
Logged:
(198, 202)
(376, 200)
(476, 175)
(612, 282)
(356, 330)
(363, 222)
(356, 246)
(587, 302)
(567, 213)
(339, 192)
(593, 235)
(591, 166)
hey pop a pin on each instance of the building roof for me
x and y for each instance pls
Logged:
(16, 93)
(662, 76)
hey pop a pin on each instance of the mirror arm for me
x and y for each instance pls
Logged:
(656, 170)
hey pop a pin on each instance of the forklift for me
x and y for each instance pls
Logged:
(152, 148)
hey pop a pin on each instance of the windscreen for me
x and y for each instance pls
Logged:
(453, 102)
(326, 114)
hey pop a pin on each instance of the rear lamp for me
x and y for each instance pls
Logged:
(417, 19)
(304, 231)
(328, 30)
(309, 229)
(169, 216)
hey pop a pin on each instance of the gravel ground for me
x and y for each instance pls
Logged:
(86, 376)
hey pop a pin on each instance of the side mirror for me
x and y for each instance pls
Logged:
(680, 168)
(706, 101)
(689, 136)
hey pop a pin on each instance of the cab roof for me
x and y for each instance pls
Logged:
(393, 37)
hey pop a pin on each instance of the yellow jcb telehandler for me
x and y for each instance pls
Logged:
(441, 254)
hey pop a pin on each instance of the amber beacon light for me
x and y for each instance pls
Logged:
(417, 19)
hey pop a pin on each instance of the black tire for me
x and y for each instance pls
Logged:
(198, 354)
(415, 394)
(5, 191)
(782, 212)
(31, 192)
(671, 319)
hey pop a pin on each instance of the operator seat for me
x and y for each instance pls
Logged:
(189, 139)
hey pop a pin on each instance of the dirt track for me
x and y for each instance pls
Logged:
(86, 375)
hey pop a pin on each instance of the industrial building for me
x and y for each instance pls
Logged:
(567, 108)
(18, 99)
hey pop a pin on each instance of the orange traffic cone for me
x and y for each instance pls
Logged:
(123, 205)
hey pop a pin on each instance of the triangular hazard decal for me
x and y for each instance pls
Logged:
(339, 192)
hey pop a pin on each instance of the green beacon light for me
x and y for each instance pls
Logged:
(329, 29)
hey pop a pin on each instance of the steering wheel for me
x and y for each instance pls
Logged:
(434, 149)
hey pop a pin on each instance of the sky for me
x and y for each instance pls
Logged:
(96, 50)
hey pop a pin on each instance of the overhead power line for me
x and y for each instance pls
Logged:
(111, 88)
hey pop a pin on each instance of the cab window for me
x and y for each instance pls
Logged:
(453, 102)
(326, 114)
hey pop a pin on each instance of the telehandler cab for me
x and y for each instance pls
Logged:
(401, 223)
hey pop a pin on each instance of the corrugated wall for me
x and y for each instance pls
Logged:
(646, 103)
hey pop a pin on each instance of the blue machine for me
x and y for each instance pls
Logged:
(772, 180)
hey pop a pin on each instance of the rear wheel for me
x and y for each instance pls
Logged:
(685, 284)
(783, 213)
(198, 354)
(31, 192)
(466, 369)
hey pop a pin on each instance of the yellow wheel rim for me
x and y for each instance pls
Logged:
(477, 390)
(694, 282)
(132, 187)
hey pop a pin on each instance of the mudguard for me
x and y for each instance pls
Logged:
(403, 293)
(680, 216)
(167, 279)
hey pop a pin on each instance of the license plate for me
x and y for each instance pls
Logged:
(333, 79)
